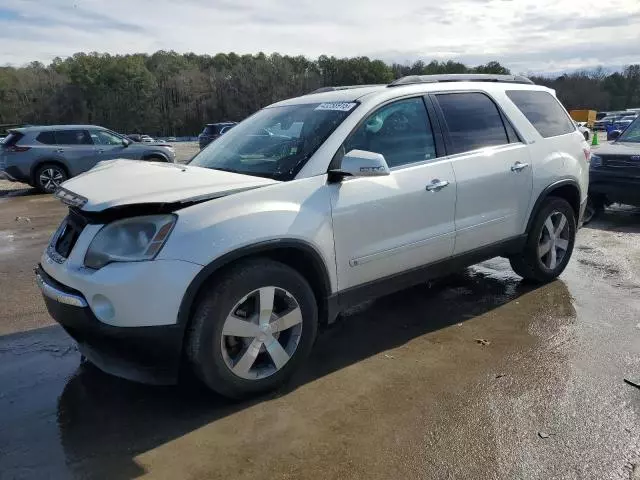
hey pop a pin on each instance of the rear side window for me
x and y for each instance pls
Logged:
(73, 137)
(473, 121)
(48, 138)
(210, 130)
(543, 111)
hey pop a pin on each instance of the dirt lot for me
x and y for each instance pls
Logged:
(478, 376)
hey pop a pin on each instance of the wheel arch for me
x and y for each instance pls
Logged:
(151, 155)
(41, 163)
(297, 254)
(567, 189)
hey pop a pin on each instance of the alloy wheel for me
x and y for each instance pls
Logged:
(554, 240)
(51, 178)
(261, 333)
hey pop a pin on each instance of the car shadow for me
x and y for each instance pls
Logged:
(104, 422)
(617, 218)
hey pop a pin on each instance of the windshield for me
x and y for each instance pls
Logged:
(631, 133)
(275, 142)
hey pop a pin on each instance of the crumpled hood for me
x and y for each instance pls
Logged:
(618, 148)
(116, 183)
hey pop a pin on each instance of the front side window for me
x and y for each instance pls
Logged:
(102, 137)
(543, 111)
(400, 131)
(73, 137)
(631, 133)
(267, 144)
(472, 120)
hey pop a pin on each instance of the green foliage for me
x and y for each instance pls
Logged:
(167, 93)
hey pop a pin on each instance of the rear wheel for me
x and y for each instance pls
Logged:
(49, 177)
(252, 328)
(549, 244)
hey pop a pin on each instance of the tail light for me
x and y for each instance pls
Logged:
(16, 148)
(587, 154)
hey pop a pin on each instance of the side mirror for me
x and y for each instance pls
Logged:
(614, 134)
(125, 142)
(361, 163)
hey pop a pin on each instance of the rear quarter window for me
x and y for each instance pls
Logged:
(12, 139)
(543, 111)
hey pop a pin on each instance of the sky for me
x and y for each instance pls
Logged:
(528, 36)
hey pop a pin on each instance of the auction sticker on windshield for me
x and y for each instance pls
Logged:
(339, 106)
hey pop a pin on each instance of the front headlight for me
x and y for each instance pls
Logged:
(130, 240)
(595, 161)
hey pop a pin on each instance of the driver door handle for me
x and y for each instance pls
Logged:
(437, 185)
(516, 167)
(59, 150)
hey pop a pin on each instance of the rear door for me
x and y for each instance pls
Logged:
(492, 169)
(77, 149)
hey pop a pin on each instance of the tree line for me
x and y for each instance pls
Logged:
(167, 93)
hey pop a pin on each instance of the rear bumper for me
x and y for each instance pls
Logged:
(142, 354)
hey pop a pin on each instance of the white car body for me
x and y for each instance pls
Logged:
(361, 230)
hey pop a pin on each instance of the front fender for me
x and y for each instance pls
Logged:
(296, 211)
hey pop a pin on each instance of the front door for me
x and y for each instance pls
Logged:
(109, 146)
(386, 225)
(492, 168)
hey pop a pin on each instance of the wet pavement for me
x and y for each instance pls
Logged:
(476, 376)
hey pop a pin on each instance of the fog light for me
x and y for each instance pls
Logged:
(102, 308)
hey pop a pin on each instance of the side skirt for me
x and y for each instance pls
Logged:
(400, 281)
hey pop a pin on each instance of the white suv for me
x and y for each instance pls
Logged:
(311, 205)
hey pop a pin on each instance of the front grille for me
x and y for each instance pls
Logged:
(620, 161)
(67, 235)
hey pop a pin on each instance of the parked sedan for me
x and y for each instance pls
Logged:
(614, 172)
(44, 157)
(584, 130)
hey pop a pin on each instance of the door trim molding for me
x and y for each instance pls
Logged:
(400, 281)
(370, 257)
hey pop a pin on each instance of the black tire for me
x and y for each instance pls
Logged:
(204, 343)
(56, 173)
(528, 264)
(595, 208)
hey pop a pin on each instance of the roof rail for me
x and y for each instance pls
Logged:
(341, 87)
(459, 77)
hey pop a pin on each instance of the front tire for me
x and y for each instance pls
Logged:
(252, 328)
(49, 177)
(549, 244)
